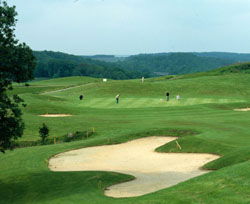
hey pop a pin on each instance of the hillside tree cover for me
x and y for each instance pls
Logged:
(16, 65)
(236, 57)
(172, 63)
(57, 64)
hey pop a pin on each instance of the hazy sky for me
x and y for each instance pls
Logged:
(134, 26)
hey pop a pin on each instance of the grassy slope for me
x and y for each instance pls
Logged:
(25, 178)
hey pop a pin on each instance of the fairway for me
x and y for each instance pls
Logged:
(204, 120)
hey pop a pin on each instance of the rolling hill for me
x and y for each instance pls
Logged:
(56, 64)
(204, 119)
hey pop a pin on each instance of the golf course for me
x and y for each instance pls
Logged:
(206, 120)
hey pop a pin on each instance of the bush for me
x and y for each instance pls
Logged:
(76, 136)
(44, 133)
(56, 140)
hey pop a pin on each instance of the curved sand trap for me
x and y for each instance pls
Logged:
(55, 115)
(242, 109)
(153, 171)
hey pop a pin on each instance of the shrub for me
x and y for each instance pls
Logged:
(76, 136)
(44, 133)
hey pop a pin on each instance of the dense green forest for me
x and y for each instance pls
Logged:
(173, 63)
(57, 64)
(176, 63)
(236, 57)
(107, 58)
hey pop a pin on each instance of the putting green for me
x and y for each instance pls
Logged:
(149, 102)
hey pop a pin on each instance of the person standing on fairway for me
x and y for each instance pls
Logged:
(117, 98)
(81, 97)
(167, 96)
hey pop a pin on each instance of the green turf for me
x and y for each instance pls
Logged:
(204, 120)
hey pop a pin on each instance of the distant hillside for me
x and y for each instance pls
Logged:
(172, 63)
(236, 57)
(106, 58)
(235, 68)
(57, 64)
(239, 68)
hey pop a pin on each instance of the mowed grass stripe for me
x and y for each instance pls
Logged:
(109, 103)
(105, 103)
(125, 102)
(92, 102)
(146, 102)
(136, 102)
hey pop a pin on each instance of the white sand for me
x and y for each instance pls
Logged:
(153, 171)
(242, 109)
(55, 115)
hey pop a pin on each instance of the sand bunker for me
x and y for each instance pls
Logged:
(242, 109)
(153, 171)
(55, 115)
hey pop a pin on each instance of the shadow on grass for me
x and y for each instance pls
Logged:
(50, 186)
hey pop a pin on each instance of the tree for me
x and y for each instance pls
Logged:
(44, 133)
(16, 65)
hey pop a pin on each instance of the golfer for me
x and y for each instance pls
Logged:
(81, 97)
(117, 98)
(167, 96)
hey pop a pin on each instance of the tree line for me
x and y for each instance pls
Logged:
(172, 63)
(56, 64)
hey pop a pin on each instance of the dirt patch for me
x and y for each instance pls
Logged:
(242, 109)
(153, 171)
(55, 115)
